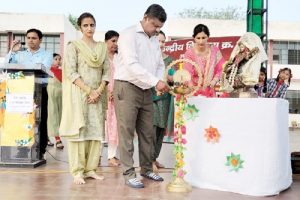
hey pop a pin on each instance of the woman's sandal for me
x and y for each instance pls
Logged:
(59, 145)
(117, 159)
(50, 144)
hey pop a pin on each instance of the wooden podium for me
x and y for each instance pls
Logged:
(24, 152)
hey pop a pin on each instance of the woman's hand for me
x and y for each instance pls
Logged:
(93, 97)
(213, 83)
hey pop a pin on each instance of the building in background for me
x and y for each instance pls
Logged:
(56, 28)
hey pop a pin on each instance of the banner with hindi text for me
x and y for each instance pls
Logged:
(177, 48)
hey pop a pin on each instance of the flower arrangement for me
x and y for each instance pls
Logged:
(179, 140)
(181, 89)
(182, 78)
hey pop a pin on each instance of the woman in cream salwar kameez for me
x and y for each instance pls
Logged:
(85, 75)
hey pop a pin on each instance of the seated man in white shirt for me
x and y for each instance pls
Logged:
(138, 67)
(31, 56)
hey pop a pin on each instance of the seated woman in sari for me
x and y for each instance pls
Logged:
(209, 59)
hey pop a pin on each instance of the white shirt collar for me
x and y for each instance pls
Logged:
(140, 29)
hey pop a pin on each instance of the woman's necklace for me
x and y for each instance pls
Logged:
(202, 51)
(206, 72)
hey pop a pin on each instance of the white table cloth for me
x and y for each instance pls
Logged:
(256, 129)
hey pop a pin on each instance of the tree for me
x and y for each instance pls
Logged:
(227, 13)
(73, 20)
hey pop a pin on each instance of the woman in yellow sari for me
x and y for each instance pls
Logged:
(85, 75)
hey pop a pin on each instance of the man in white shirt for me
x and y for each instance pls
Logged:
(138, 67)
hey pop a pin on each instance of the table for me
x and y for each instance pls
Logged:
(256, 129)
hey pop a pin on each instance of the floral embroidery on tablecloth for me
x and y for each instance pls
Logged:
(234, 162)
(191, 112)
(212, 134)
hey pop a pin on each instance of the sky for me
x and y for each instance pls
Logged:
(119, 14)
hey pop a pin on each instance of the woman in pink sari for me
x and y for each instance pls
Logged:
(209, 59)
(111, 40)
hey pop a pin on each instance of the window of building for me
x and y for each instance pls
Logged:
(286, 52)
(50, 43)
(293, 96)
(3, 45)
(22, 39)
(275, 58)
(293, 57)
